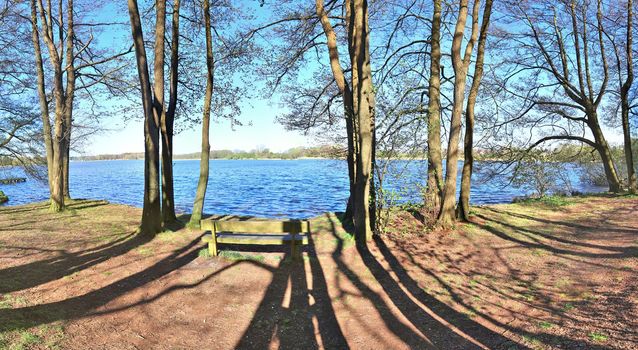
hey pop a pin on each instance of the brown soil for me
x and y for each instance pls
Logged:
(520, 276)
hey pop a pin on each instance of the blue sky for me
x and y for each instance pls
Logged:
(259, 129)
(264, 132)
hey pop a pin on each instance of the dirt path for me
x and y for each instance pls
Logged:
(521, 276)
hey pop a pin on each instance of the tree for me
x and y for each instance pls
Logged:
(364, 111)
(565, 72)
(460, 63)
(151, 212)
(468, 151)
(435, 162)
(167, 120)
(57, 142)
(202, 184)
(348, 102)
(72, 59)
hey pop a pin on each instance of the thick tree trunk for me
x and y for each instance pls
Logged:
(56, 171)
(204, 161)
(435, 164)
(167, 122)
(57, 176)
(463, 209)
(364, 103)
(460, 64)
(151, 213)
(605, 154)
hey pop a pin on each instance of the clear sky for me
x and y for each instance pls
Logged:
(259, 129)
(264, 131)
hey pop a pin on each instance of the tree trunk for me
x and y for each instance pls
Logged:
(460, 64)
(70, 96)
(56, 173)
(348, 107)
(466, 177)
(204, 161)
(57, 176)
(41, 87)
(632, 182)
(167, 122)
(364, 103)
(435, 164)
(605, 154)
(151, 213)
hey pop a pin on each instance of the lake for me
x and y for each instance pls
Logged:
(266, 188)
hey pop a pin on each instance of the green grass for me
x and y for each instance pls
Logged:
(549, 201)
(26, 339)
(145, 251)
(568, 307)
(204, 253)
(598, 337)
(237, 256)
(545, 325)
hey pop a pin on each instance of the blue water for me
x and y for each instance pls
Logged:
(266, 188)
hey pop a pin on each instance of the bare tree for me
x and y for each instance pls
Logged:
(624, 89)
(565, 72)
(435, 162)
(151, 212)
(348, 103)
(460, 63)
(364, 111)
(466, 179)
(198, 204)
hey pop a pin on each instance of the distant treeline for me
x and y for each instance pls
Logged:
(333, 152)
(566, 152)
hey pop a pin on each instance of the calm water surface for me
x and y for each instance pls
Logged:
(267, 188)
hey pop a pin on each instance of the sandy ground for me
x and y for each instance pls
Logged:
(520, 276)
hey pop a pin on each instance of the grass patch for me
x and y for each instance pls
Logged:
(42, 337)
(203, 253)
(237, 256)
(26, 340)
(145, 251)
(598, 337)
(568, 307)
(535, 342)
(549, 201)
(539, 252)
(545, 325)
(8, 301)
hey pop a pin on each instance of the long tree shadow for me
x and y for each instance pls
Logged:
(617, 252)
(292, 325)
(582, 228)
(437, 333)
(86, 304)
(35, 273)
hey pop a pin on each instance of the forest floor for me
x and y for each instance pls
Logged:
(559, 274)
